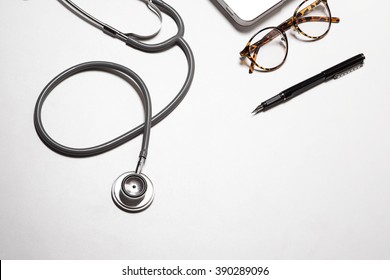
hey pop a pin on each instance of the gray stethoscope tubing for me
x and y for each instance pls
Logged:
(134, 41)
(110, 67)
(110, 30)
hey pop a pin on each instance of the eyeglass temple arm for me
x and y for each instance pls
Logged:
(308, 9)
(290, 22)
(311, 7)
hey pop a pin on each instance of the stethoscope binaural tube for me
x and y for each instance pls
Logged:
(121, 191)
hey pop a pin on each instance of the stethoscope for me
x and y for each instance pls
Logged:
(132, 191)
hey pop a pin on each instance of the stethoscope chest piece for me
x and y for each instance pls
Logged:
(132, 192)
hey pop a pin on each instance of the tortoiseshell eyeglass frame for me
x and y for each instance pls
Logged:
(251, 49)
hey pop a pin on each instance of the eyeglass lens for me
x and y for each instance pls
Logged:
(313, 19)
(271, 48)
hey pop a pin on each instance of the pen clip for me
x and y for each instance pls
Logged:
(350, 70)
(344, 67)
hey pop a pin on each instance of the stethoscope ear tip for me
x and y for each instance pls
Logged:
(132, 192)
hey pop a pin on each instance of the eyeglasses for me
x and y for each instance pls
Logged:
(267, 49)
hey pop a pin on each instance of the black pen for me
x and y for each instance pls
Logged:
(334, 72)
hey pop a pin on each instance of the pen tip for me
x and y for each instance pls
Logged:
(258, 109)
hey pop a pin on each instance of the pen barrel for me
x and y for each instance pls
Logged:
(293, 91)
(303, 86)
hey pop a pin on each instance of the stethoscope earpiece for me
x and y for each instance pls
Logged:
(132, 192)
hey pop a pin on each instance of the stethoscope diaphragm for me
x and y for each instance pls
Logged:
(132, 192)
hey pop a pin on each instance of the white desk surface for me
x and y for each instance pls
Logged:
(309, 179)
